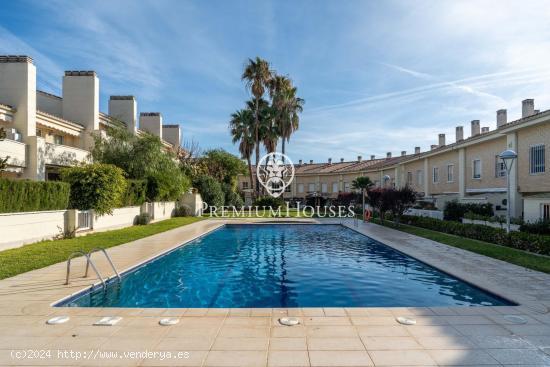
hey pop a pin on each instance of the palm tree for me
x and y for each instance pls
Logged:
(362, 183)
(286, 106)
(293, 106)
(242, 131)
(257, 75)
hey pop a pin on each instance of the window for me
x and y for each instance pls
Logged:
(300, 188)
(409, 178)
(287, 189)
(335, 187)
(245, 185)
(545, 211)
(476, 169)
(500, 167)
(311, 187)
(58, 139)
(536, 159)
(450, 172)
(324, 187)
(420, 177)
(346, 186)
(435, 174)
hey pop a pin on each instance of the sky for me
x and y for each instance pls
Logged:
(376, 76)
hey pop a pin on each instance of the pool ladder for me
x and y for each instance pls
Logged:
(89, 262)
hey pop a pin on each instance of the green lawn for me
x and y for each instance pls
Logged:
(41, 254)
(518, 257)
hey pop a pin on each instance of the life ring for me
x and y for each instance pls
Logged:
(367, 215)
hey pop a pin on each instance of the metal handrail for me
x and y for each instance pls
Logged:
(88, 261)
(108, 259)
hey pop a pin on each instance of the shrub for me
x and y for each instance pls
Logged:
(143, 219)
(95, 186)
(134, 195)
(210, 190)
(183, 211)
(143, 158)
(399, 200)
(28, 196)
(269, 202)
(455, 210)
(519, 240)
(232, 198)
(539, 227)
(346, 198)
(166, 186)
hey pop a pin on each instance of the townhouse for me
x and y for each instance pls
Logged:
(468, 169)
(44, 132)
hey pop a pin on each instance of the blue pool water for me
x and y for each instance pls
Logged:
(286, 266)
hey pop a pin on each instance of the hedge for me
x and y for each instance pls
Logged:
(29, 196)
(135, 193)
(455, 210)
(269, 202)
(535, 243)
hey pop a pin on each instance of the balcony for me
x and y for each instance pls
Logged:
(63, 155)
(14, 150)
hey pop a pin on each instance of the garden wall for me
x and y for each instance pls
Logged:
(513, 227)
(17, 229)
(122, 217)
(162, 210)
(437, 214)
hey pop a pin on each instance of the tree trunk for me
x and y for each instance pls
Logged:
(257, 137)
(250, 173)
(363, 208)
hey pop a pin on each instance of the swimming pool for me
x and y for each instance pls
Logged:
(282, 265)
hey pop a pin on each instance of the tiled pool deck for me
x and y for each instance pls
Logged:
(457, 336)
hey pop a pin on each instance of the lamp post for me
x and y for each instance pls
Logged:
(508, 157)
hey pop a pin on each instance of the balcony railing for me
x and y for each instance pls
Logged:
(15, 151)
(63, 155)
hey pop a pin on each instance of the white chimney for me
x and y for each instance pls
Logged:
(311, 161)
(151, 122)
(18, 89)
(124, 108)
(372, 157)
(502, 118)
(527, 107)
(475, 128)
(403, 153)
(172, 134)
(433, 146)
(330, 161)
(388, 155)
(359, 158)
(300, 161)
(81, 98)
(341, 160)
(416, 150)
(459, 133)
(441, 140)
(537, 111)
(485, 130)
